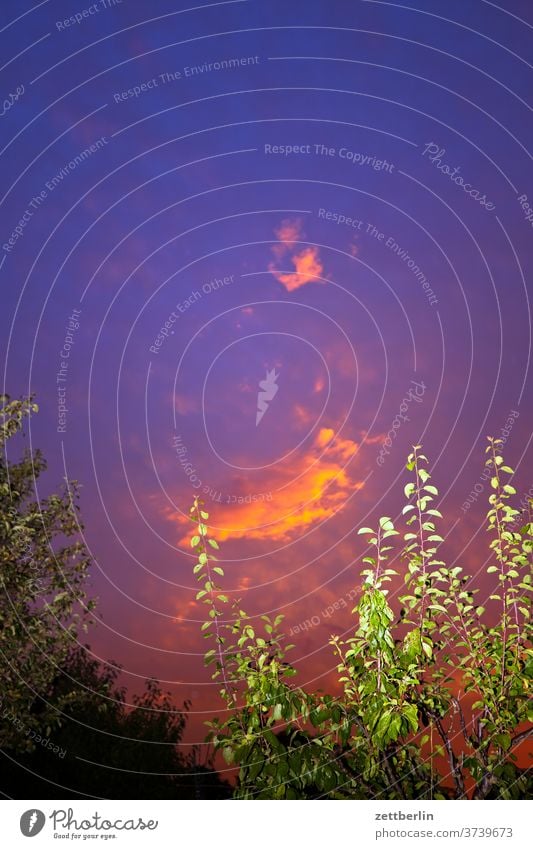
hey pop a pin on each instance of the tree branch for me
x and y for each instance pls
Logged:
(519, 738)
(459, 710)
(454, 764)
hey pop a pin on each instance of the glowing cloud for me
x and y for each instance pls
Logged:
(303, 493)
(288, 232)
(307, 263)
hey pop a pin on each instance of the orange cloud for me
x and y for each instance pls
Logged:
(302, 415)
(307, 263)
(298, 495)
(308, 269)
(288, 232)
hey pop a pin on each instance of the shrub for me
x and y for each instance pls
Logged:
(400, 729)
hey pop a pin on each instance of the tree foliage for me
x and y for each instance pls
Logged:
(435, 695)
(112, 745)
(43, 571)
(66, 727)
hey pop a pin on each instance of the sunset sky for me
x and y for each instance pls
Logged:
(332, 199)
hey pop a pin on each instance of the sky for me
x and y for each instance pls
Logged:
(255, 252)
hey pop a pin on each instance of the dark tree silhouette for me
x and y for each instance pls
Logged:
(109, 748)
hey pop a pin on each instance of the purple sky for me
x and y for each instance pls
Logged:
(334, 191)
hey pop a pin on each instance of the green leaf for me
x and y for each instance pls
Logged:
(276, 713)
(365, 531)
(411, 714)
(427, 648)
(227, 753)
(408, 489)
(503, 740)
(60, 596)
